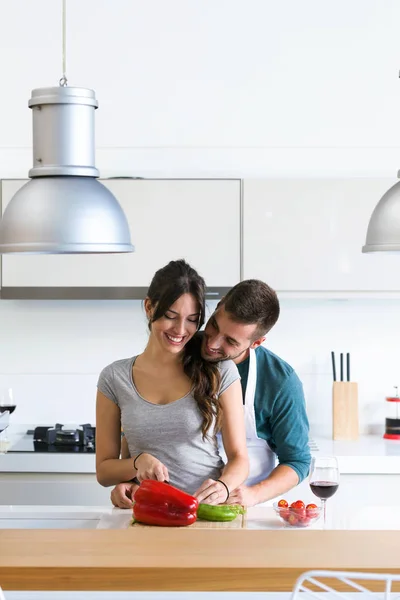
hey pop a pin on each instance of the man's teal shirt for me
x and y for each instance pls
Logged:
(280, 410)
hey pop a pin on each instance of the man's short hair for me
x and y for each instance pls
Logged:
(253, 301)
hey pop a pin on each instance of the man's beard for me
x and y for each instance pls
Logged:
(220, 357)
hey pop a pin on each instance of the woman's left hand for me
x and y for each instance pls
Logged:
(211, 492)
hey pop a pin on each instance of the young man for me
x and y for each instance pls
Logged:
(275, 415)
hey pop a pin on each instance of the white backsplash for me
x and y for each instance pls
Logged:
(51, 353)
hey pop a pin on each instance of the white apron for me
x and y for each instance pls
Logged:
(262, 459)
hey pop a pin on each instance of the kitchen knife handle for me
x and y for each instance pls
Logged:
(333, 365)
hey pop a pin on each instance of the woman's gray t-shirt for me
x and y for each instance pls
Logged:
(170, 432)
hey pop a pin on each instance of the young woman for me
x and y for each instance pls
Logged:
(170, 403)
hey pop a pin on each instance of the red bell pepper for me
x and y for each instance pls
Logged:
(159, 503)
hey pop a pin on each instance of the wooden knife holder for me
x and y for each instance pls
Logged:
(345, 410)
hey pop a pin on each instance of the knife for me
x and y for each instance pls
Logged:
(333, 365)
(341, 366)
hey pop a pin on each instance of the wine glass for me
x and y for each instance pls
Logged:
(324, 479)
(7, 406)
(7, 400)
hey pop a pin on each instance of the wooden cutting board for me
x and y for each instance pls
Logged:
(237, 523)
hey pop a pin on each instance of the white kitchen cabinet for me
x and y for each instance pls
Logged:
(53, 488)
(198, 220)
(306, 235)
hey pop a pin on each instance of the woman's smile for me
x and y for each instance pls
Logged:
(175, 340)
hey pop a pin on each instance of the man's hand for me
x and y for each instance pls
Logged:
(122, 495)
(246, 496)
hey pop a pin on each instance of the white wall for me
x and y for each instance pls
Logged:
(52, 352)
(217, 87)
(214, 86)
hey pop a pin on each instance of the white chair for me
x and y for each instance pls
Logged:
(383, 581)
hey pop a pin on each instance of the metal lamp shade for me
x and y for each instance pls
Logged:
(383, 234)
(64, 215)
(64, 209)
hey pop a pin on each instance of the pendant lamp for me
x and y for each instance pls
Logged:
(64, 209)
(383, 234)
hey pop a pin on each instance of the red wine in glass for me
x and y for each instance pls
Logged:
(9, 407)
(323, 489)
(324, 479)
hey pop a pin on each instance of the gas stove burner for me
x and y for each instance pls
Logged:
(59, 435)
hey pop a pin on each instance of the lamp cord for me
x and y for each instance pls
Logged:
(64, 81)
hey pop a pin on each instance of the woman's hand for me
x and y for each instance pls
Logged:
(122, 495)
(211, 492)
(149, 467)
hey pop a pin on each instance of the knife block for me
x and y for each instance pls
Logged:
(345, 410)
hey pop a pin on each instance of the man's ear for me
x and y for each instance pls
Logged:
(257, 343)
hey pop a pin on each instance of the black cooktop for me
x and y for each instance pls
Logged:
(57, 439)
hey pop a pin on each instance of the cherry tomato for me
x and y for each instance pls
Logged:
(285, 513)
(283, 504)
(312, 510)
(299, 504)
(301, 514)
(292, 519)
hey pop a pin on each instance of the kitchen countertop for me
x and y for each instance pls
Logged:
(262, 555)
(257, 517)
(115, 518)
(163, 559)
(371, 454)
(38, 462)
(264, 517)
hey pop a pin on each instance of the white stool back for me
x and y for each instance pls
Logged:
(383, 585)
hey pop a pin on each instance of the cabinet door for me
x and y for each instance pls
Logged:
(198, 220)
(306, 235)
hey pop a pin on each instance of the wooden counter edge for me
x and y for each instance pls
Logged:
(155, 580)
(183, 560)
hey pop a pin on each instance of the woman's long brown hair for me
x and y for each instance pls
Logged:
(169, 284)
